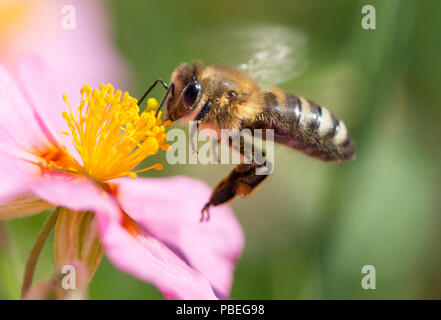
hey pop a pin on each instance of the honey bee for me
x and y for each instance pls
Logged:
(221, 97)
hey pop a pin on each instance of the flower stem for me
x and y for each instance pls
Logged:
(8, 274)
(36, 250)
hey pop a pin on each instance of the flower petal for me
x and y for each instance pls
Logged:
(73, 57)
(12, 182)
(170, 209)
(78, 55)
(143, 256)
(19, 123)
(73, 192)
(41, 93)
(38, 88)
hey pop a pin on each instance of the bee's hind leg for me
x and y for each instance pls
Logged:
(241, 181)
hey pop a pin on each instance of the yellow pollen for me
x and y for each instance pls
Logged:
(110, 134)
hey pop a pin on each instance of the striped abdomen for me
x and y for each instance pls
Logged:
(307, 127)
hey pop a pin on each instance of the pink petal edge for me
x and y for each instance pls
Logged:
(149, 260)
(170, 208)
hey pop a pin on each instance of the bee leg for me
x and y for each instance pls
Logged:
(241, 181)
(170, 88)
(205, 213)
(214, 150)
(193, 130)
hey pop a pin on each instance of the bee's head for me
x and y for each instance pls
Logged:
(187, 91)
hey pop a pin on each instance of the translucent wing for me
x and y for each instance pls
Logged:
(278, 54)
(270, 54)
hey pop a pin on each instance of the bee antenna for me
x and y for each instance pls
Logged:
(159, 80)
(171, 87)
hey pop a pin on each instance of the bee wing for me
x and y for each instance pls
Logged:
(271, 54)
(278, 54)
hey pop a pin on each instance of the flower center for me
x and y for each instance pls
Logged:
(57, 158)
(110, 134)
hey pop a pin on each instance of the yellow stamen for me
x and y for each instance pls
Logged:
(152, 104)
(110, 134)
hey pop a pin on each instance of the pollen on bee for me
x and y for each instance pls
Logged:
(243, 190)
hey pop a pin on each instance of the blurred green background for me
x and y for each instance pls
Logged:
(313, 226)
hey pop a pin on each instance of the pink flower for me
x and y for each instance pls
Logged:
(72, 57)
(148, 227)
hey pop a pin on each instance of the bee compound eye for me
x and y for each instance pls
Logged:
(191, 93)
